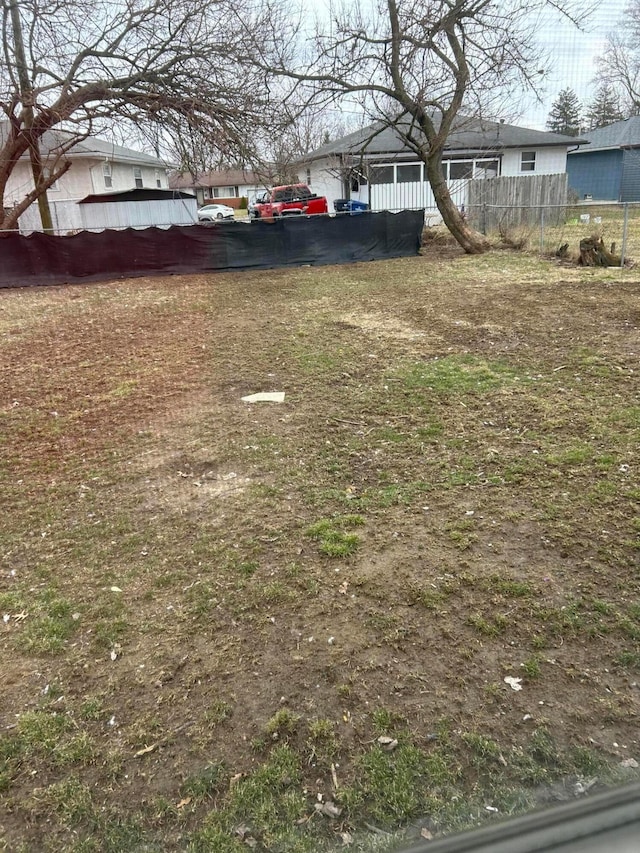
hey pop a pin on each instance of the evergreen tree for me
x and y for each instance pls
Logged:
(605, 107)
(564, 116)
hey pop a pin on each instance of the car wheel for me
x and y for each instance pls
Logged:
(219, 216)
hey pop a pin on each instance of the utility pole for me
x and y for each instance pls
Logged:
(26, 96)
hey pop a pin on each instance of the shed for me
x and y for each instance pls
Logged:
(608, 168)
(138, 208)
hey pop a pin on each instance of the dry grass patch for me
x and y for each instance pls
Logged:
(213, 610)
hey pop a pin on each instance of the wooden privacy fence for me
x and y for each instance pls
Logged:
(504, 202)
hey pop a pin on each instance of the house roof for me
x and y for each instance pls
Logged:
(92, 148)
(471, 135)
(221, 178)
(620, 134)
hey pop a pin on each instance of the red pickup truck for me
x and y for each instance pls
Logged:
(290, 200)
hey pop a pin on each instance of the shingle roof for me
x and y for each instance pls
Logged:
(620, 134)
(471, 135)
(222, 178)
(92, 147)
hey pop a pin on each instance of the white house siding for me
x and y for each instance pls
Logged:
(122, 176)
(138, 214)
(549, 161)
(208, 194)
(84, 177)
(397, 195)
(322, 182)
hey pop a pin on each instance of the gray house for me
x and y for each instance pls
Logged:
(608, 169)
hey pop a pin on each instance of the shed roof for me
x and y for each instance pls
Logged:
(138, 194)
(620, 134)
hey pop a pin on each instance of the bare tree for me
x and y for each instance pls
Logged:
(308, 126)
(422, 68)
(69, 67)
(619, 66)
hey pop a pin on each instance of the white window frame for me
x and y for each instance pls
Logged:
(107, 175)
(137, 176)
(528, 161)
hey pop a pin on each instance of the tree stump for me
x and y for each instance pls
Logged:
(594, 254)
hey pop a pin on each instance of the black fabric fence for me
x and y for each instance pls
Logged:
(42, 259)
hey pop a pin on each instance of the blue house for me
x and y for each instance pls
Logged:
(608, 169)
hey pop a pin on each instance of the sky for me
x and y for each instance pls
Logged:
(573, 58)
(572, 61)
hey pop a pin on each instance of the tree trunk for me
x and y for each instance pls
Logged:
(472, 241)
(594, 254)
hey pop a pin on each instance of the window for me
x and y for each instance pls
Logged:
(106, 174)
(381, 174)
(409, 174)
(487, 169)
(225, 192)
(460, 171)
(158, 179)
(357, 180)
(528, 161)
(137, 177)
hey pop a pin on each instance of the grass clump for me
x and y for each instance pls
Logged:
(332, 535)
(322, 743)
(283, 724)
(205, 784)
(457, 374)
(48, 620)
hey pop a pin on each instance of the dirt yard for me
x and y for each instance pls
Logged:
(403, 601)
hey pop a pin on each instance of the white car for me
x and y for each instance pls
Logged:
(213, 212)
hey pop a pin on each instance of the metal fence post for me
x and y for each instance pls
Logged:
(542, 231)
(625, 226)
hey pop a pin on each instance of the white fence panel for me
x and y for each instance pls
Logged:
(412, 195)
(139, 214)
(65, 217)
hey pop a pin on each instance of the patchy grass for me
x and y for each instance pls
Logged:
(226, 623)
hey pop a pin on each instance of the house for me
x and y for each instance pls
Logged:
(228, 186)
(375, 165)
(97, 166)
(608, 169)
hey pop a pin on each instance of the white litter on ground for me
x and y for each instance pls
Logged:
(265, 397)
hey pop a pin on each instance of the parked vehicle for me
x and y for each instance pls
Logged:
(289, 200)
(213, 212)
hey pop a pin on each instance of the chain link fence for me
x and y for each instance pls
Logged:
(559, 229)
